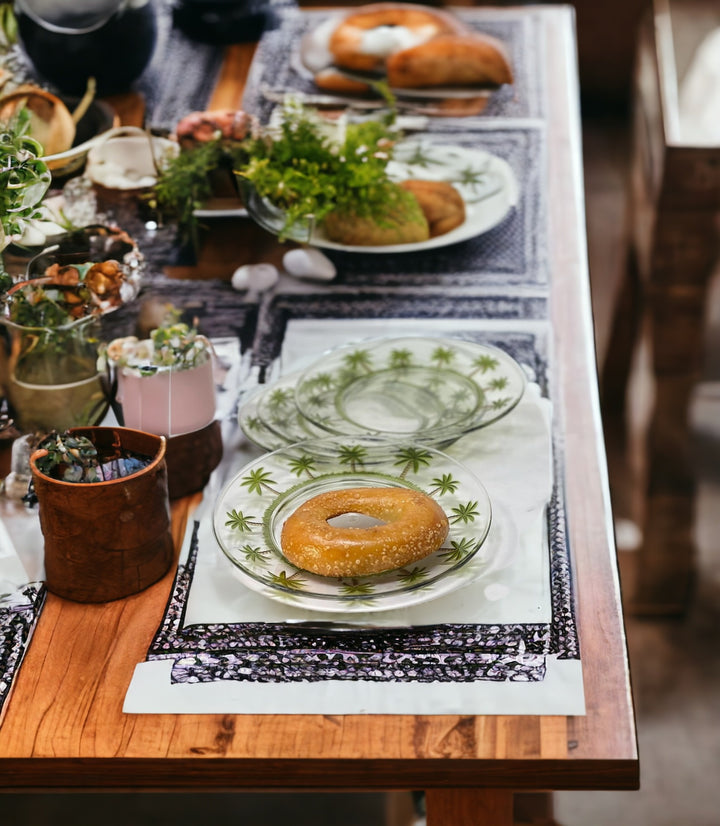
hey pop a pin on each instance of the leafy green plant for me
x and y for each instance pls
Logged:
(24, 177)
(185, 183)
(310, 167)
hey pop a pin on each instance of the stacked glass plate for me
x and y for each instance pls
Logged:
(370, 414)
(430, 390)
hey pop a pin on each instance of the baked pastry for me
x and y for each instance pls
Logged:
(401, 222)
(365, 38)
(417, 47)
(331, 80)
(413, 526)
(442, 205)
(451, 60)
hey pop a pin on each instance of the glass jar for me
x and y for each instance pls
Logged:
(51, 377)
(69, 41)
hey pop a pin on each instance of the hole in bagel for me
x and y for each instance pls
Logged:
(354, 520)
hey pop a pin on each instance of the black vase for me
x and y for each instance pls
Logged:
(223, 21)
(68, 41)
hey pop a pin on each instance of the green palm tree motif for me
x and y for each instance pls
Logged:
(498, 404)
(237, 521)
(499, 383)
(352, 455)
(485, 363)
(254, 423)
(253, 553)
(400, 358)
(294, 581)
(356, 588)
(437, 382)
(258, 481)
(471, 176)
(280, 398)
(303, 464)
(412, 576)
(446, 483)
(442, 356)
(465, 513)
(358, 361)
(324, 381)
(421, 157)
(412, 458)
(460, 549)
(460, 400)
(316, 401)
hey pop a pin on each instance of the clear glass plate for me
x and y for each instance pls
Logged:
(429, 389)
(252, 508)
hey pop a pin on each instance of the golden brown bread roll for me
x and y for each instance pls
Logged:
(331, 80)
(400, 222)
(413, 525)
(441, 203)
(363, 39)
(450, 60)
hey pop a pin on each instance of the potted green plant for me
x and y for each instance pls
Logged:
(166, 386)
(50, 372)
(104, 511)
(165, 383)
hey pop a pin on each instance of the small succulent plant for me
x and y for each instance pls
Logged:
(74, 458)
(174, 345)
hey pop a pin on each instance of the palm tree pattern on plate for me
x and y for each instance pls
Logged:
(437, 388)
(254, 505)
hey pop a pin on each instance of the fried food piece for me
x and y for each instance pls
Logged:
(401, 222)
(450, 60)
(441, 203)
(105, 280)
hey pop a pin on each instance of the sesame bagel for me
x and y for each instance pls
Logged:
(413, 525)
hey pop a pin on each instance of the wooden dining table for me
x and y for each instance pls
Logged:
(65, 728)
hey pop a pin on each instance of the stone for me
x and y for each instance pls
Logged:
(307, 262)
(255, 277)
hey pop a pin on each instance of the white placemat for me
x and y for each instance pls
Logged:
(514, 460)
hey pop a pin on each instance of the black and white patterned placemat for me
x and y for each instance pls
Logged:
(276, 311)
(19, 613)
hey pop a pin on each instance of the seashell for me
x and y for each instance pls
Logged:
(308, 262)
(255, 277)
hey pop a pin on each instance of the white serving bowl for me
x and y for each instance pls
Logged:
(128, 158)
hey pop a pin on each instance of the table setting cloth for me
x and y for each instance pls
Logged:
(223, 648)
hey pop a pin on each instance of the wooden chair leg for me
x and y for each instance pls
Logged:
(624, 335)
(469, 807)
(614, 388)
